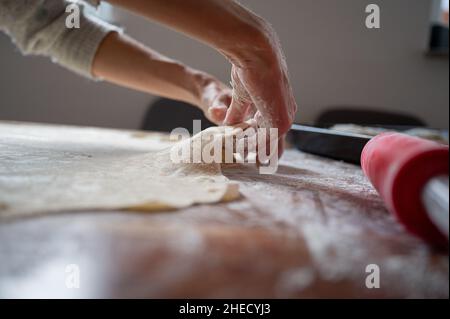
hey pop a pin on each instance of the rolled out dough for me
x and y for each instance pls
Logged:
(46, 169)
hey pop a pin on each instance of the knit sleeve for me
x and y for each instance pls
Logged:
(38, 27)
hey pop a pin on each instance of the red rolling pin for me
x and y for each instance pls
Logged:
(412, 176)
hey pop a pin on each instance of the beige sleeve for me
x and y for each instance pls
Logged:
(39, 28)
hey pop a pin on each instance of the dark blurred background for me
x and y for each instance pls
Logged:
(334, 62)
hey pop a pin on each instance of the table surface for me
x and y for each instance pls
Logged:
(311, 230)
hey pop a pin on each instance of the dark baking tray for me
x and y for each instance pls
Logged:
(337, 145)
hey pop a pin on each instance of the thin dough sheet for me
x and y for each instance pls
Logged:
(46, 169)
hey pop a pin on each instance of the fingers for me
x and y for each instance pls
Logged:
(236, 113)
(251, 111)
(217, 109)
(261, 120)
(217, 114)
(241, 104)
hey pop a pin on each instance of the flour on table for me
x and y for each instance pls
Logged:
(46, 169)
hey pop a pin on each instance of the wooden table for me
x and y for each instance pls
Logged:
(311, 230)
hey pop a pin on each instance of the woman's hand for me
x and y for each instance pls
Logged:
(263, 93)
(214, 98)
(261, 88)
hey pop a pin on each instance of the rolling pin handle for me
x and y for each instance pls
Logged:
(435, 198)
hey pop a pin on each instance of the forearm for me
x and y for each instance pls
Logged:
(123, 61)
(225, 25)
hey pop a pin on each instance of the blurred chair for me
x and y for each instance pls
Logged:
(164, 115)
(366, 118)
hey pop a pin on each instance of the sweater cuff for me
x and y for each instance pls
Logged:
(76, 48)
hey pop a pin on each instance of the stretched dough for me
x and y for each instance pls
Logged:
(47, 169)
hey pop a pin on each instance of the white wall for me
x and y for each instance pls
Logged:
(333, 60)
